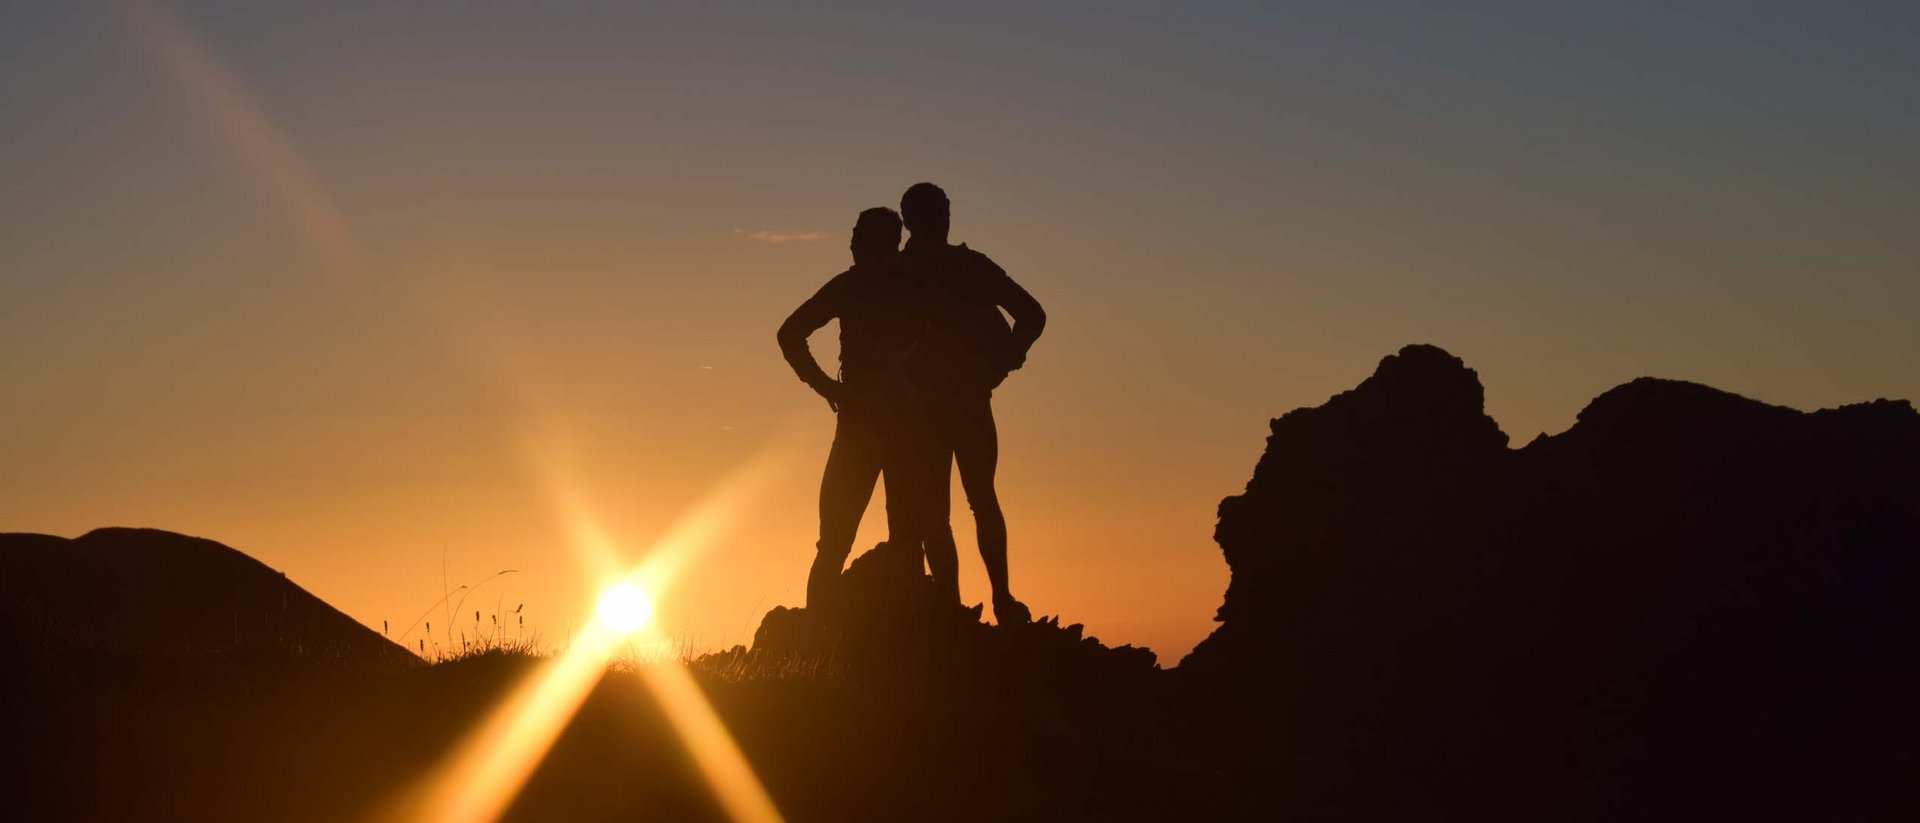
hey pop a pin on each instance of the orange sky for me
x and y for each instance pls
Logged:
(377, 300)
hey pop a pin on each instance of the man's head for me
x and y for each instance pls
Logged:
(876, 235)
(924, 207)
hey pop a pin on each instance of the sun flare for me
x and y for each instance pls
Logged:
(478, 780)
(625, 608)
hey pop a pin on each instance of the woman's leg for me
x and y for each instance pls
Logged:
(853, 466)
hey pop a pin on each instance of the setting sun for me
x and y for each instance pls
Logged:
(625, 608)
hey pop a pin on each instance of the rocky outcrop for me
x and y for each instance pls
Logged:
(893, 623)
(1343, 500)
(1687, 597)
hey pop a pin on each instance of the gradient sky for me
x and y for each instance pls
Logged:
(369, 290)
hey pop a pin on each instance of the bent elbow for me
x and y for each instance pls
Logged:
(1035, 319)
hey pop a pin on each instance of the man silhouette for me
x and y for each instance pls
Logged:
(880, 423)
(968, 351)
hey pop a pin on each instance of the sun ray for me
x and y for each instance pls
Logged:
(487, 771)
(244, 126)
(478, 780)
(727, 771)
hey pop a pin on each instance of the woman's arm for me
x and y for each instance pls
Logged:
(805, 320)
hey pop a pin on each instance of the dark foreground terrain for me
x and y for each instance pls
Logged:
(1689, 605)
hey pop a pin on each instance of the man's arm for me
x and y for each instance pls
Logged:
(805, 320)
(1028, 318)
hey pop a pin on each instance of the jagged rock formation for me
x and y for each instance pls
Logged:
(153, 592)
(1405, 456)
(1689, 600)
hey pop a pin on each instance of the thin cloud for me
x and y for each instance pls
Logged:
(780, 237)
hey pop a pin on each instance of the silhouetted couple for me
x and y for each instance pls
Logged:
(922, 346)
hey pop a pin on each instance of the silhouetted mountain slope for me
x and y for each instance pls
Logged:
(1689, 600)
(150, 591)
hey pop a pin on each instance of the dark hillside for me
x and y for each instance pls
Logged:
(148, 591)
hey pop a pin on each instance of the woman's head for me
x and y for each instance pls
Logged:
(876, 235)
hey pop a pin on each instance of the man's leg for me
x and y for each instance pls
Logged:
(853, 466)
(919, 496)
(976, 449)
(943, 557)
